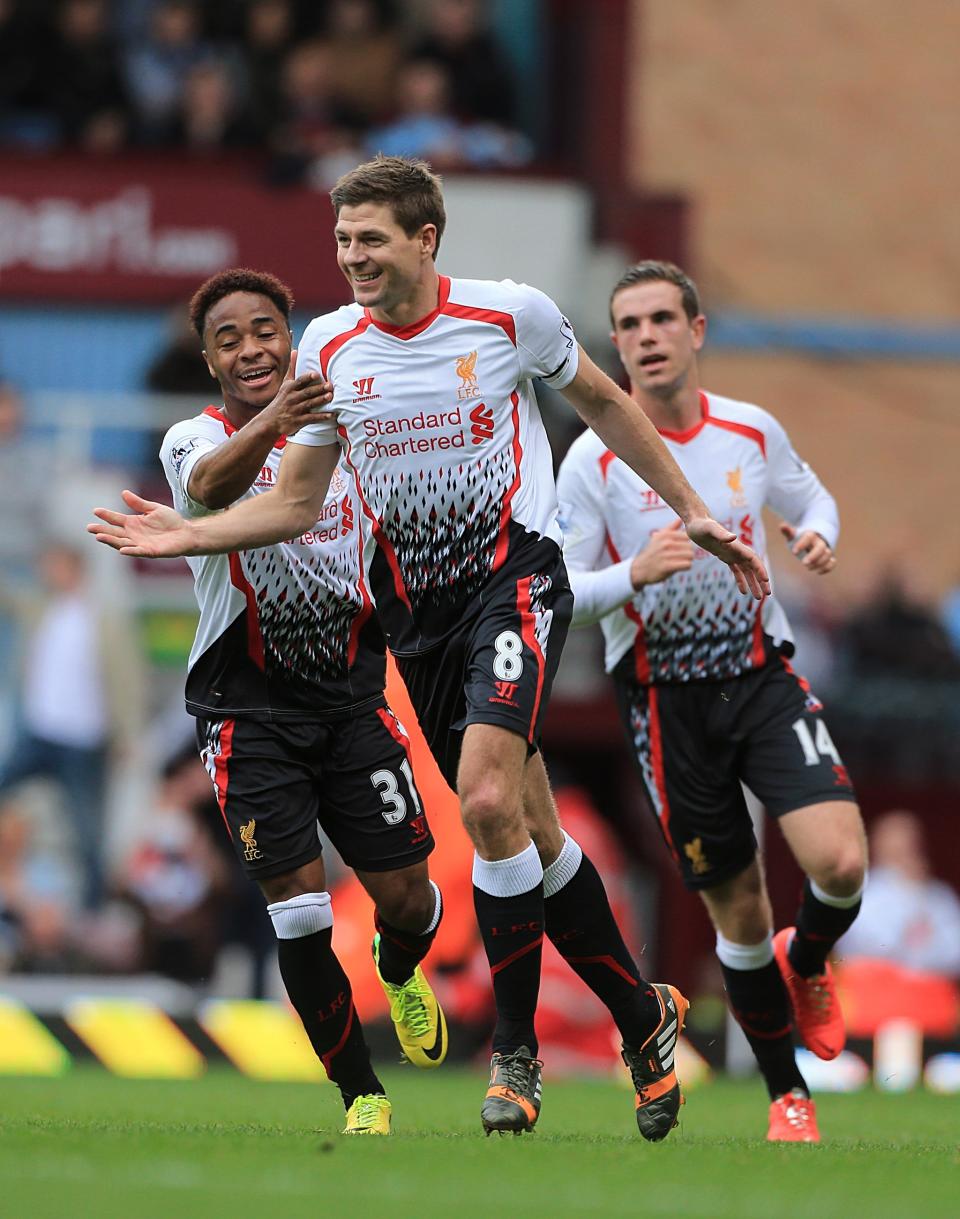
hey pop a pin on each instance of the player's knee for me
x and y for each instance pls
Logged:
(408, 905)
(745, 919)
(305, 914)
(487, 804)
(740, 907)
(843, 874)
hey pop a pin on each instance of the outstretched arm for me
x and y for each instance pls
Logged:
(276, 516)
(624, 427)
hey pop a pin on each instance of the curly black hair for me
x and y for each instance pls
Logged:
(237, 279)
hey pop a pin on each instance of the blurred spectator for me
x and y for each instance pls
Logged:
(176, 879)
(82, 76)
(36, 909)
(427, 127)
(82, 695)
(907, 916)
(895, 636)
(457, 35)
(312, 124)
(179, 368)
(365, 52)
(269, 33)
(210, 116)
(24, 120)
(157, 67)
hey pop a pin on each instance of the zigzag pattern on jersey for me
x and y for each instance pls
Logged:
(305, 626)
(443, 526)
(698, 628)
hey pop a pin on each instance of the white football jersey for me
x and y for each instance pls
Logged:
(441, 430)
(695, 625)
(286, 631)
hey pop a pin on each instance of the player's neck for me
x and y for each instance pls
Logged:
(676, 412)
(239, 414)
(422, 300)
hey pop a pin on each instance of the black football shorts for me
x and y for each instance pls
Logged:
(275, 782)
(696, 743)
(498, 665)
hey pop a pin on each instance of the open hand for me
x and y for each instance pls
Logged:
(155, 532)
(810, 548)
(747, 567)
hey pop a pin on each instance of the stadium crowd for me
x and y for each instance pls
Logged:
(304, 86)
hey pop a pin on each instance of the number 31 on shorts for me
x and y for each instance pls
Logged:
(395, 806)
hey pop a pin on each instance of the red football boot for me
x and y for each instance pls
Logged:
(816, 1008)
(793, 1119)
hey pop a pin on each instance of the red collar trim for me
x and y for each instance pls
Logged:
(415, 328)
(683, 437)
(216, 413)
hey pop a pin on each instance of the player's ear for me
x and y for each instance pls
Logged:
(698, 328)
(428, 239)
(210, 368)
(615, 340)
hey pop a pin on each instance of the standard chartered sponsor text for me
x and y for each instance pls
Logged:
(423, 421)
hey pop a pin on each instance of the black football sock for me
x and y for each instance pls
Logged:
(581, 926)
(761, 1006)
(402, 951)
(320, 992)
(821, 921)
(511, 925)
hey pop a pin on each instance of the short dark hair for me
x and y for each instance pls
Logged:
(652, 271)
(407, 184)
(237, 279)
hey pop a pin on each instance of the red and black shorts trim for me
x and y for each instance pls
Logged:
(276, 782)
(696, 743)
(497, 666)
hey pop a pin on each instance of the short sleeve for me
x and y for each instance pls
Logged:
(324, 431)
(546, 343)
(182, 447)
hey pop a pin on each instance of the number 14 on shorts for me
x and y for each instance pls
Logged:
(818, 745)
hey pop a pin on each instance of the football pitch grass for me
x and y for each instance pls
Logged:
(226, 1147)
